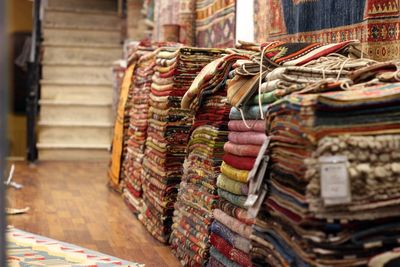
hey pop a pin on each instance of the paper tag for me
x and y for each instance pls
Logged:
(251, 199)
(255, 208)
(335, 183)
(261, 155)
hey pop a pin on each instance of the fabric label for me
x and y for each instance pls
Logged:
(335, 182)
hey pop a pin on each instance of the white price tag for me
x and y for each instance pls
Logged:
(335, 183)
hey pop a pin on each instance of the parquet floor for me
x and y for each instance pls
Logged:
(71, 202)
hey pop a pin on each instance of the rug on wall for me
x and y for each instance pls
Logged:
(376, 23)
(215, 23)
(26, 249)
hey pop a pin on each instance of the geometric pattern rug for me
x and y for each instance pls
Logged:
(25, 249)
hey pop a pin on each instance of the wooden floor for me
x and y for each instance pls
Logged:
(70, 202)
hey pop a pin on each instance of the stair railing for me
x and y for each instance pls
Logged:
(34, 68)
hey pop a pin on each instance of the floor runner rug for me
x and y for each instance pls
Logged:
(27, 249)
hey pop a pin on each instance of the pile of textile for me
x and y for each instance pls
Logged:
(116, 170)
(167, 134)
(197, 198)
(231, 230)
(138, 127)
(333, 181)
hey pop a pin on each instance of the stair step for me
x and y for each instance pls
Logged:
(74, 83)
(65, 17)
(81, 45)
(80, 113)
(61, 153)
(83, 11)
(110, 5)
(76, 55)
(92, 28)
(79, 93)
(81, 73)
(80, 36)
(76, 135)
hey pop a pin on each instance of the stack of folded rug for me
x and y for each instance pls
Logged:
(197, 198)
(333, 181)
(138, 127)
(231, 229)
(167, 134)
(334, 194)
(116, 172)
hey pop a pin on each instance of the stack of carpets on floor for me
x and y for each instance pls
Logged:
(138, 127)
(333, 181)
(116, 172)
(231, 230)
(198, 193)
(168, 133)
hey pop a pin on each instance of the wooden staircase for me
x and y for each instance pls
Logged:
(81, 39)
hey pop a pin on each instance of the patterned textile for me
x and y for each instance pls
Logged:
(352, 116)
(197, 196)
(232, 223)
(374, 22)
(120, 129)
(210, 79)
(26, 249)
(218, 259)
(215, 23)
(138, 125)
(230, 252)
(231, 237)
(167, 134)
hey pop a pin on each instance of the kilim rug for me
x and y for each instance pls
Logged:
(26, 249)
(215, 23)
(374, 22)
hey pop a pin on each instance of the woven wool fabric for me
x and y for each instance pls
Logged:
(374, 22)
(218, 259)
(296, 224)
(240, 154)
(229, 251)
(115, 172)
(234, 174)
(27, 249)
(215, 23)
(197, 189)
(167, 134)
(231, 237)
(197, 196)
(247, 138)
(232, 186)
(138, 124)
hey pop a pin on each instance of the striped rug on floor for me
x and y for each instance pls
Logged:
(27, 249)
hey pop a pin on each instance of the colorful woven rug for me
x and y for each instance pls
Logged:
(374, 22)
(215, 23)
(26, 249)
